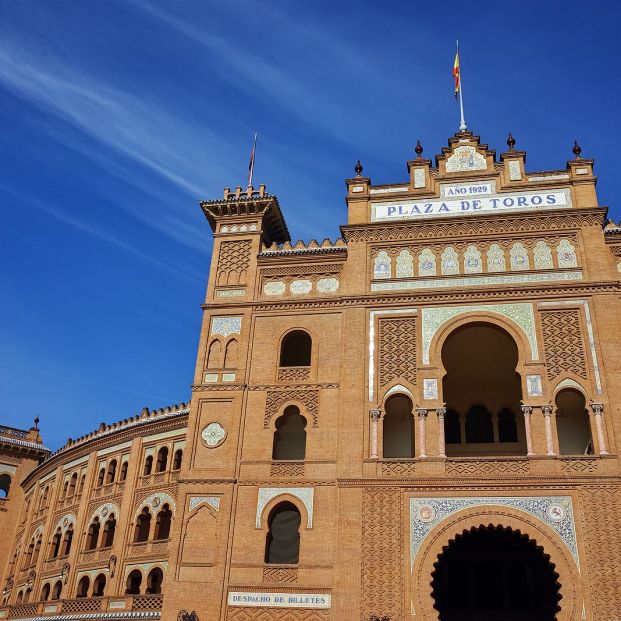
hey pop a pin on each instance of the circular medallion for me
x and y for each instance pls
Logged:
(156, 502)
(104, 512)
(520, 259)
(556, 512)
(472, 263)
(426, 513)
(65, 521)
(213, 435)
(427, 265)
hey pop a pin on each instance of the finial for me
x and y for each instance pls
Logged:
(36, 423)
(510, 142)
(358, 168)
(418, 150)
(577, 150)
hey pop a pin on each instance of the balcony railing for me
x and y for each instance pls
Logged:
(145, 603)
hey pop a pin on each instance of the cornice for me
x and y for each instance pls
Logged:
(425, 297)
(110, 437)
(439, 228)
(452, 484)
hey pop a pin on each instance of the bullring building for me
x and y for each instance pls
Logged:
(415, 422)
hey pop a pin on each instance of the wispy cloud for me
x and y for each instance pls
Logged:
(188, 156)
(59, 214)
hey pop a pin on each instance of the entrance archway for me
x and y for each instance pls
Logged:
(494, 574)
(482, 392)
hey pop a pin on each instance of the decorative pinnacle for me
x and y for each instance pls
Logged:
(36, 422)
(418, 150)
(577, 150)
(510, 142)
(358, 168)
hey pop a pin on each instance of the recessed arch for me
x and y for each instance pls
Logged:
(295, 348)
(398, 427)
(489, 515)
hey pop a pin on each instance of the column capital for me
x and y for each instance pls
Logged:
(375, 415)
(441, 412)
(598, 408)
(547, 409)
(527, 410)
(422, 412)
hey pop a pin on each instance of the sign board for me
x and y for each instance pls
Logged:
(280, 600)
(470, 204)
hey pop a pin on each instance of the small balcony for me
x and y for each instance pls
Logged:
(72, 607)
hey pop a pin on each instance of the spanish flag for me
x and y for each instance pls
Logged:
(456, 74)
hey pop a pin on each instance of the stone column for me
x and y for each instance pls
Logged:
(598, 411)
(527, 410)
(422, 418)
(441, 412)
(547, 418)
(375, 416)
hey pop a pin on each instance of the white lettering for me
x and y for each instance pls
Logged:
(500, 202)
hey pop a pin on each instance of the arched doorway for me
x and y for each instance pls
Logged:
(398, 428)
(572, 423)
(482, 392)
(494, 574)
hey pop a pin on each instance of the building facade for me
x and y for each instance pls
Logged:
(417, 421)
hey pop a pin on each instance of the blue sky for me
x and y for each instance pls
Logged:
(117, 116)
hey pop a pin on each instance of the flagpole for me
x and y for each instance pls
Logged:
(462, 125)
(251, 167)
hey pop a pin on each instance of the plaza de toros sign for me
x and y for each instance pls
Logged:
(469, 199)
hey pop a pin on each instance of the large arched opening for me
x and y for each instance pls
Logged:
(496, 574)
(398, 428)
(482, 392)
(572, 423)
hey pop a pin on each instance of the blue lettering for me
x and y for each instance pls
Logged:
(495, 202)
(476, 204)
(465, 205)
(429, 208)
(536, 200)
(391, 210)
(401, 212)
(551, 199)
(415, 209)
(508, 202)
(521, 201)
(443, 207)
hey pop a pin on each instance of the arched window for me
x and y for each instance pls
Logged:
(154, 581)
(162, 459)
(57, 590)
(5, 485)
(398, 427)
(83, 586)
(295, 349)
(99, 586)
(37, 550)
(507, 427)
(230, 355)
(148, 465)
(290, 435)
(93, 534)
(214, 358)
(123, 473)
(143, 526)
(55, 545)
(452, 427)
(108, 533)
(67, 539)
(111, 473)
(101, 477)
(45, 592)
(65, 488)
(283, 537)
(73, 483)
(28, 555)
(19, 598)
(43, 499)
(134, 580)
(479, 426)
(178, 459)
(572, 424)
(162, 524)
(82, 482)
(27, 594)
